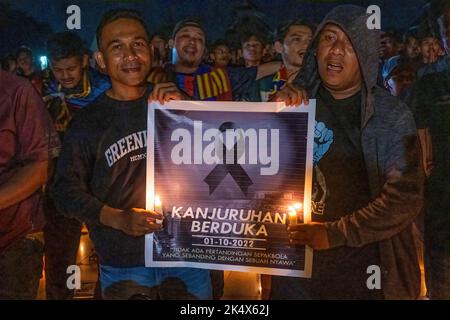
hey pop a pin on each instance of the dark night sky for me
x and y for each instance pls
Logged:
(216, 15)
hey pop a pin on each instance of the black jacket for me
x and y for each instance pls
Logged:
(391, 155)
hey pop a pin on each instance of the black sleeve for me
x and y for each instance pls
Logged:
(242, 80)
(70, 189)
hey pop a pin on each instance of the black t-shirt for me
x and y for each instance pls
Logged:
(104, 162)
(340, 186)
(242, 81)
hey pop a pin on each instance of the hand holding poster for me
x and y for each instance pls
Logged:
(226, 175)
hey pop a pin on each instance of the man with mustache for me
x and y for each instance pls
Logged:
(101, 174)
(291, 41)
(367, 186)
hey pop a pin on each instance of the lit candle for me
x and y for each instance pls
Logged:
(292, 213)
(158, 208)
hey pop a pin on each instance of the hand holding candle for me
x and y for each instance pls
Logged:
(293, 213)
(158, 208)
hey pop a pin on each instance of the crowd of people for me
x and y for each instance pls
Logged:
(381, 151)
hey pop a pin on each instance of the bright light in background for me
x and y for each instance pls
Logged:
(44, 62)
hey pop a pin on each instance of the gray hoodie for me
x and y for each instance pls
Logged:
(391, 155)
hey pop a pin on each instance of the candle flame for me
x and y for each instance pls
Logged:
(298, 206)
(292, 211)
(157, 201)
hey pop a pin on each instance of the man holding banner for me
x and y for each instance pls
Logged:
(101, 175)
(367, 183)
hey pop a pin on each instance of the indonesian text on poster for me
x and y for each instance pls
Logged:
(226, 175)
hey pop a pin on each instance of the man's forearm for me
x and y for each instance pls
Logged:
(26, 181)
(111, 217)
(426, 149)
(267, 69)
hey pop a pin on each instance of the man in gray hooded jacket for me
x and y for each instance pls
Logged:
(367, 186)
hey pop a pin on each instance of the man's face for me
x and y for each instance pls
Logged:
(294, 45)
(161, 45)
(190, 46)
(400, 81)
(412, 49)
(125, 52)
(69, 71)
(270, 53)
(428, 50)
(25, 61)
(337, 60)
(253, 51)
(444, 28)
(222, 55)
(388, 47)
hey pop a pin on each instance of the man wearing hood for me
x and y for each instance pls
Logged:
(367, 186)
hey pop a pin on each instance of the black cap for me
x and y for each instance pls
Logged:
(190, 22)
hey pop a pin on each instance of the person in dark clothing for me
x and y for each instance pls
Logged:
(367, 184)
(431, 106)
(398, 76)
(432, 56)
(69, 86)
(100, 178)
(390, 46)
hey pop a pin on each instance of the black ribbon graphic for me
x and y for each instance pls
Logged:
(220, 171)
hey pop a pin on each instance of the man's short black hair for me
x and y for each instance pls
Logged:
(24, 49)
(260, 36)
(437, 8)
(283, 30)
(411, 33)
(219, 42)
(392, 34)
(64, 45)
(425, 31)
(159, 34)
(117, 14)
